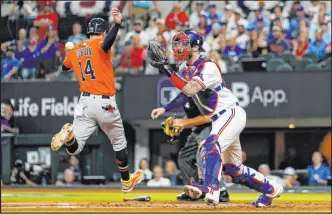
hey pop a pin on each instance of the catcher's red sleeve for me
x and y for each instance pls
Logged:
(178, 81)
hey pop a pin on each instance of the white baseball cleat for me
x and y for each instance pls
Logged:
(212, 198)
(66, 134)
(192, 191)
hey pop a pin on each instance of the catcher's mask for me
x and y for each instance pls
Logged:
(183, 42)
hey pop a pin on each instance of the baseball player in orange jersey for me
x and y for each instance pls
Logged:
(90, 60)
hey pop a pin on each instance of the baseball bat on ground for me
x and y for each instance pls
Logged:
(139, 198)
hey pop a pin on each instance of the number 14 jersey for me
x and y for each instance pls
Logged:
(92, 66)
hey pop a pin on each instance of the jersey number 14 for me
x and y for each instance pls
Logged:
(87, 70)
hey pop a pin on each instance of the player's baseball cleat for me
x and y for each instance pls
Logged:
(194, 190)
(262, 201)
(66, 134)
(212, 197)
(184, 197)
(135, 178)
(265, 200)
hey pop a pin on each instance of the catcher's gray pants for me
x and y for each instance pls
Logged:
(89, 115)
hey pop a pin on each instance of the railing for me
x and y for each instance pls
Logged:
(301, 189)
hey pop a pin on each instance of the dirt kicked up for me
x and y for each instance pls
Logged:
(108, 200)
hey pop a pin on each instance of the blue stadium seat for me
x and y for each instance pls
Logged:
(313, 67)
(301, 64)
(311, 56)
(273, 63)
(283, 67)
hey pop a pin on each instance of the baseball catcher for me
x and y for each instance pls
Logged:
(188, 159)
(216, 103)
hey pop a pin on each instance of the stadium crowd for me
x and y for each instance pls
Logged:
(233, 33)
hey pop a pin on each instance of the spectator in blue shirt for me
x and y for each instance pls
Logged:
(77, 35)
(300, 15)
(29, 59)
(9, 65)
(319, 173)
(258, 18)
(194, 16)
(326, 32)
(278, 22)
(213, 13)
(233, 50)
(48, 50)
(278, 45)
(318, 46)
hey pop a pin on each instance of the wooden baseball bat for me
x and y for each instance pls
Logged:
(139, 198)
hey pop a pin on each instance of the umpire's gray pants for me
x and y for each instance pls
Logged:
(89, 115)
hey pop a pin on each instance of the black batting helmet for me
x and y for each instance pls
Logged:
(97, 26)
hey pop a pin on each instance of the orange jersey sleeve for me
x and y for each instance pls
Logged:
(93, 67)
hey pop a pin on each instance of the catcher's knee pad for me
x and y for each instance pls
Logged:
(211, 161)
(248, 177)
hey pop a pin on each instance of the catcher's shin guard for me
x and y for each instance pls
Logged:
(212, 163)
(254, 180)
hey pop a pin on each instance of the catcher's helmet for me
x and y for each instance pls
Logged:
(97, 26)
(182, 43)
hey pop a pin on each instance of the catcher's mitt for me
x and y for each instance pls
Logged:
(156, 54)
(169, 129)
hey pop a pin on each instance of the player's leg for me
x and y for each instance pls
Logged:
(232, 159)
(74, 136)
(249, 177)
(224, 131)
(223, 196)
(111, 124)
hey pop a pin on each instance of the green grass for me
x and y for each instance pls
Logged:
(156, 196)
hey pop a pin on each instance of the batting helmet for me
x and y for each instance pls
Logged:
(97, 26)
(182, 43)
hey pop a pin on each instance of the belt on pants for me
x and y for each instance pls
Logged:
(86, 94)
(217, 115)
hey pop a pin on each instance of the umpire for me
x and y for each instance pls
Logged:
(189, 159)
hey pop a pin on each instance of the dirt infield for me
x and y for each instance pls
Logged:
(164, 207)
(57, 200)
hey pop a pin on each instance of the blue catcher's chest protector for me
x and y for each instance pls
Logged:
(206, 100)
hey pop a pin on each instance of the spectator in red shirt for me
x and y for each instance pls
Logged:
(177, 15)
(301, 46)
(131, 60)
(46, 18)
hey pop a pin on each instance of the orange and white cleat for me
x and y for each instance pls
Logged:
(65, 135)
(135, 178)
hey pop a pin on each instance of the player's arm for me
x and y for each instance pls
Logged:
(111, 35)
(188, 88)
(205, 79)
(67, 65)
(176, 102)
(188, 122)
